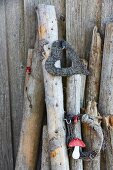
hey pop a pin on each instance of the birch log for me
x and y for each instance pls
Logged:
(73, 106)
(33, 114)
(92, 93)
(45, 160)
(106, 93)
(53, 91)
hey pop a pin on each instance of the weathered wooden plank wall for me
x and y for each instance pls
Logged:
(6, 154)
(82, 16)
(106, 93)
(16, 60)
(18, 27)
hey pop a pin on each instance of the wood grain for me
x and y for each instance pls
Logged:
(33, 114)
(82, 16)
(53, 91)
(16, 60)
(30, 24)
(31, 21)
(92, 95)
(106, 14)
(106, 93)
(95, 60)
(73, 106)
(45, 160)
(6, 153)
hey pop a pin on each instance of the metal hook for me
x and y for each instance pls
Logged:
(68, 122)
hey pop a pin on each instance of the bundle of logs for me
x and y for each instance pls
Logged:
(71, 113)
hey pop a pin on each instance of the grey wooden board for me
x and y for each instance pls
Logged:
(30, 24)
(106, 92)
(106, 17)
(16, 59)
(82, 16)
(6, 156)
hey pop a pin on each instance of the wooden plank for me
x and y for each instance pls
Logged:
(53, 86)
(16, 59)
(82, 16)
(106, 93)
(29, 24)
(106, 14)
(6, 155)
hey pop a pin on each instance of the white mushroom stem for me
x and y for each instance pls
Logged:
(76, 153)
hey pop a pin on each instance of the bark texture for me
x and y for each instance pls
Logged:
(48, 31)
(73, 106)
(45, 161)
(33, 114)
(92, 94)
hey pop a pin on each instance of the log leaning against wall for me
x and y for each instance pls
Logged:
(33, 113)
(48, 31)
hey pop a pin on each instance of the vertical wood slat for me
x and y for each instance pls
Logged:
(106, 93)
(6, 154)
(16, 59)
(106, 14)
(106, 17)
(81, 17)
(29, 24)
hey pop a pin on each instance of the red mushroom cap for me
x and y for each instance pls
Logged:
(76, 142)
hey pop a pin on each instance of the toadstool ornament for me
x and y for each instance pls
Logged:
(76, 143)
